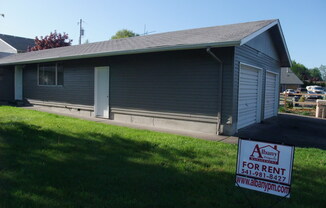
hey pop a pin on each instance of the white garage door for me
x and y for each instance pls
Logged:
(249, 101)
(271, 97)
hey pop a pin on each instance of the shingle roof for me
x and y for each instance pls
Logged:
(288, 77)
(19, 43)
(218, 36)
(4, 54)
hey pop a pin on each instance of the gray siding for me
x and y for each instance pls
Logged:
(228, 79)
(264, 43)
(246, 54)
(78, 86)
(178, 82)
(6, 83)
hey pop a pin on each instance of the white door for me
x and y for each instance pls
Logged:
(18, 83)
(271, 95)
(249, 99)
(101, 102)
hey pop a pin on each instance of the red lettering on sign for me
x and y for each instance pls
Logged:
(256, 150)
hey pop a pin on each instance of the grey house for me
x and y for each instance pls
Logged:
(289, 80)
(214, 80)
(10, 45)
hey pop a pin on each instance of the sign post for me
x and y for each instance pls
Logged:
(265, 167)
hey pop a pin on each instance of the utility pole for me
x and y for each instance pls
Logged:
(81, 30)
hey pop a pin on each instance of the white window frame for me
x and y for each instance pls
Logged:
(56, 77)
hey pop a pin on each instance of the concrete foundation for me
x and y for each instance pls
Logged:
(75, 111)
(166, 123)
(200, 126)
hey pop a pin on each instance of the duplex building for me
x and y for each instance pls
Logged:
(214, 80)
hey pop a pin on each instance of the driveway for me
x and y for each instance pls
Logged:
(296, 130)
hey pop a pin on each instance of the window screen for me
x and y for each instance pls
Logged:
(50, 74)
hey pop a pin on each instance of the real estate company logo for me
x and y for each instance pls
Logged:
(266, 154)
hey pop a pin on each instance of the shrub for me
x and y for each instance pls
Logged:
(281, 109)
(289, 104)
(302, 99)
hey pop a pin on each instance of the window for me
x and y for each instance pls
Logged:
(50, 74)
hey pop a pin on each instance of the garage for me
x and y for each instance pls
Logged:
(249, 98)
(271, 95)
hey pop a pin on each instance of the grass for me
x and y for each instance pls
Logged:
(299, 111)
(48, 160)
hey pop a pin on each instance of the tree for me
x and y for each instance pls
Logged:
(300, 70)
(124, 33)
(322, 70)
(54, 40)
(315, 74)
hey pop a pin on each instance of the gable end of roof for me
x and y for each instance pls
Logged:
(285, 60)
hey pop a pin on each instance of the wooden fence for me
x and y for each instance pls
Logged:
(320, 106)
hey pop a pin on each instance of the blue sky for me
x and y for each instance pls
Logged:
(303, 21)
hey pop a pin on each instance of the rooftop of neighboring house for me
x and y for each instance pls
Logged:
(289, 77)
(19, 43)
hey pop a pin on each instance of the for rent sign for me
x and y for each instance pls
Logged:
(264, 167)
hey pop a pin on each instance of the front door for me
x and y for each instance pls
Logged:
(101, 102)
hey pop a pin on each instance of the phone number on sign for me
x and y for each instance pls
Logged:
(263, 175)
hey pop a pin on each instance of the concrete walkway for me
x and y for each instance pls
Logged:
(210, 137)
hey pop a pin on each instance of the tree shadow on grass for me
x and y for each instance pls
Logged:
(43, 168)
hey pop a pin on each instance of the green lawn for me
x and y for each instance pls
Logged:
(48, 160)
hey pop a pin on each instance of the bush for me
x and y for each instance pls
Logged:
(281, 109)
(289, 104)
(302, 99)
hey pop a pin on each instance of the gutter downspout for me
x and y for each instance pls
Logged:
(220, 90)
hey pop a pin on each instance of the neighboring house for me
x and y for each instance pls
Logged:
(10, 45)
(289, 80)
(214, 80)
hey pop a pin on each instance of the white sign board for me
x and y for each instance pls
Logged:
(264, 167)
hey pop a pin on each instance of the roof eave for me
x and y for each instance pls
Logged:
(285, 45)
(129, 52)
